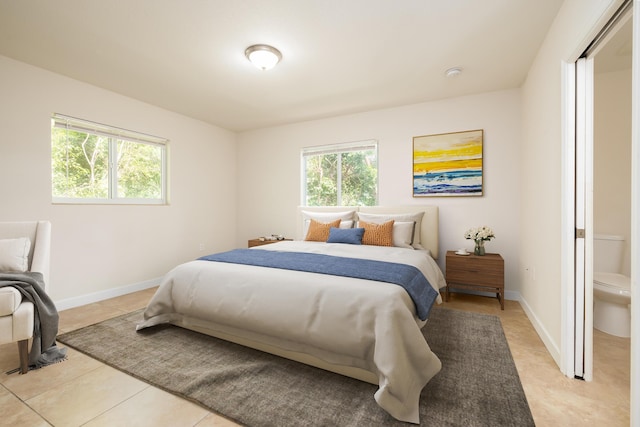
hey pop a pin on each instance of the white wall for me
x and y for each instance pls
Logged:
(541, 170)
(269, 169)
(97, 249)
(612, 158)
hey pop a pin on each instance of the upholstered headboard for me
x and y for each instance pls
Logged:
(428, 231)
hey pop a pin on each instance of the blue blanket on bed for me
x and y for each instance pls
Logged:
(407, 276)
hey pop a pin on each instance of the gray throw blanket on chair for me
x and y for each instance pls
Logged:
(44, 350)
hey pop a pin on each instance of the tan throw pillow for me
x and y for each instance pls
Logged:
(377, 234)
(319, 232)
(408, 217)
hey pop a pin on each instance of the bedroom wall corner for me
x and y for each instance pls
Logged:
(99, 250)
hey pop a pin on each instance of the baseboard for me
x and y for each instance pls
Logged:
(68, 303)
(548, 342)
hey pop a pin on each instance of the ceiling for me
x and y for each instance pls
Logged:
(339, 56)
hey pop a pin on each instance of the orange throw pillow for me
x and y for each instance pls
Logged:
(319, 232)
(377, 234)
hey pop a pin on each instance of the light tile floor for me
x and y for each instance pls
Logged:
(84, 392)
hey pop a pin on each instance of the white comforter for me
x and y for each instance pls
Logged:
(346, 321)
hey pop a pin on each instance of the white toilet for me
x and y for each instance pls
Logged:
(611, 290)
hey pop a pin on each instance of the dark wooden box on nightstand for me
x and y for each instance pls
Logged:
(257, 242)
(478, 273)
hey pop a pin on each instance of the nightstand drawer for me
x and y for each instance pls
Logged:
(485, 270)
(476, 277)
(473, 262)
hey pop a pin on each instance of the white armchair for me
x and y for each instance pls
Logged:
(16, 314)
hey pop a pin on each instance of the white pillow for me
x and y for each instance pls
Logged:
(14, 254)
(346, 224)
(346, 218)
(403, 217)
(403, 233)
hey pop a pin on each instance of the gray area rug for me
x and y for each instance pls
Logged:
(478, 384)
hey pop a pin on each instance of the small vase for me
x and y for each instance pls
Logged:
(479, 249)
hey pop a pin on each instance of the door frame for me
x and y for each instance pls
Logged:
(576, 358)
(635, 214)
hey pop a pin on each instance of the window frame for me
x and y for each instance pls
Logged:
(114, 135)
(339, 148)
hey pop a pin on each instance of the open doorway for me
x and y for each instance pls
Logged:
(612, 183)
(605, 183)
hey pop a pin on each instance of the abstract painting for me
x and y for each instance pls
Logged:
(448, 164)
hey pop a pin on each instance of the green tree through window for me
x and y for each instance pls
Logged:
(98, 163)
(139, 176)
(80, 164)
(341, 175)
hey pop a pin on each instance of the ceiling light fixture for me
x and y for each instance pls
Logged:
(452, 72)
(263, 56)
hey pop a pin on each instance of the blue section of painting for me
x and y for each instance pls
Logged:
(448, 182)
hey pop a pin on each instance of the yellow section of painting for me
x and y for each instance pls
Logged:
(447, 165)
(448, 156)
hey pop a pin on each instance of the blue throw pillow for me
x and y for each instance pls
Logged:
(352, 236)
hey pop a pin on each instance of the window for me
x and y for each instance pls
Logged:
(340, 174)
(95, 163)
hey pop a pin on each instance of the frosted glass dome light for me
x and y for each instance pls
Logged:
(263, 56)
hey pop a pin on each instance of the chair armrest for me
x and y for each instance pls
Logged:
(10, 299)
(42, 251)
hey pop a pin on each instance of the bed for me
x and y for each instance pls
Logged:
(362, 328)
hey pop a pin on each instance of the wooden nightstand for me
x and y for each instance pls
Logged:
(257, 242)
(477, 273)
